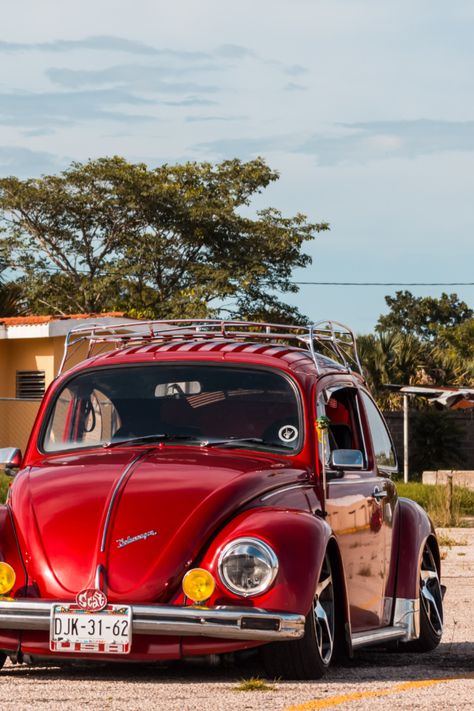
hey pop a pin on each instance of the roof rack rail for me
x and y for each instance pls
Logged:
(329, 339)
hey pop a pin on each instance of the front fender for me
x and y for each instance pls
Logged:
(415, 528)
(299, 540)
(9, 550)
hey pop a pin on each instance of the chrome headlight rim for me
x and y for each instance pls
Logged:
(267, 551)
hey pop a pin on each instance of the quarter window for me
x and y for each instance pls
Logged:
(384, 452)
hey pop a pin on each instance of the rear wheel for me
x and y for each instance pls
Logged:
(309, 657)
(431, 606)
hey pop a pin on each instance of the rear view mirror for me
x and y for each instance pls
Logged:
(347, 459)
(10, 458)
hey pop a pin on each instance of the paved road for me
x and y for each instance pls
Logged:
(443, 679)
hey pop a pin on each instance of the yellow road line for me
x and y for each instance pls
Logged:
(357, 695)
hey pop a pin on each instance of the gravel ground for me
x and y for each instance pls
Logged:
(442, 679)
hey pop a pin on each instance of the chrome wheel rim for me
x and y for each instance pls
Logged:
(431, 596)
(324, 613)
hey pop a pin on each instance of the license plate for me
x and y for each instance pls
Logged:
(107, 632)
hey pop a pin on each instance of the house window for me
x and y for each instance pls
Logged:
(30, 384)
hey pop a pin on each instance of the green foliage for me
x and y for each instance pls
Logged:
(391, 357)
(169, 242)
(421, 341)
(424, 316)
(437, 437)
(433, 498)
(454, 352)
(5, 482)
(12, 301)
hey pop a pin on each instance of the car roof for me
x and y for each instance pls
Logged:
(298, 360)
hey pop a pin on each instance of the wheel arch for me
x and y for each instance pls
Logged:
(415, 531)
(343, 631)
(300, 541)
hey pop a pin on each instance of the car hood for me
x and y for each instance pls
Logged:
(142, 514)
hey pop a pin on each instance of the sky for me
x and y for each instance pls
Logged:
(365, 107)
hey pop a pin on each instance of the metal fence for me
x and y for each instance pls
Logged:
(16, 420)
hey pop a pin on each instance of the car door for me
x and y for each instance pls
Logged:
(384, 462)
(355, 500)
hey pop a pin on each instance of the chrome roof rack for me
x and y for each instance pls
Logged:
(324, 339)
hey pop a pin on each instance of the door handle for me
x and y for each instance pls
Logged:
(378, 494)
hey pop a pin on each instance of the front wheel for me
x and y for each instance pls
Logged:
(431, 606)
(310, 656)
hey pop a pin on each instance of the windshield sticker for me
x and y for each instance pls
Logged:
(288, 433)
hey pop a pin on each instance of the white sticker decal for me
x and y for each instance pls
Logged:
(288, 433)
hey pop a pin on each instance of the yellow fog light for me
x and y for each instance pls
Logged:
(198, 585)
(7, 578)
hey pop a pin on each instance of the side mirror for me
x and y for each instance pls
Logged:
(347, 459)
(10, 458)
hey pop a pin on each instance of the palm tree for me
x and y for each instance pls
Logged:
(12, 301)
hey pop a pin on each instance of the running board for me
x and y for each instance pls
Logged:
(380, 636)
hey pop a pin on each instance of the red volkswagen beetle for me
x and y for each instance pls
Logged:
(204, 487)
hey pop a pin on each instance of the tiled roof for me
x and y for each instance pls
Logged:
(36, 320)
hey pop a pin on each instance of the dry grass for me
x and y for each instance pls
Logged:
(445, 539)
(434, 499)
(254, 684)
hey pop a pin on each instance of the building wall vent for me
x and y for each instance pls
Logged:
(30, 384)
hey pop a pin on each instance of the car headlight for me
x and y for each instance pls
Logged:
(247, 566)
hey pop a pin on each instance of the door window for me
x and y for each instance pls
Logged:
(344, 429)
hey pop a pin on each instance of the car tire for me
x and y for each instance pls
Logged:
(431, 606)
(310, 656)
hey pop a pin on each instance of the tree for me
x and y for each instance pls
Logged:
(174, 241)
(12, 301)
(454, 350)
(424, 317)
(392, 358)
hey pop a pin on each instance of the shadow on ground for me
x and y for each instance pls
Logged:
(447, 660)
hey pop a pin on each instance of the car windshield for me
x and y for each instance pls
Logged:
(193, 404)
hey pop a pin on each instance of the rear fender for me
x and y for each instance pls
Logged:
(343, 631)
(415, 529)
(299, 540)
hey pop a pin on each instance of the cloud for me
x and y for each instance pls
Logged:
(292, 86)
(197, 119)
(296, 70)
(379, 140)
(234, 51)
(190, 101)
(23, 162)
(244, 148)
(40, 110)
(131, 76)
(357, 142)
(102, 43)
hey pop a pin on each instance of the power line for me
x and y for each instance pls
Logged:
(384, 283)
(110, 272)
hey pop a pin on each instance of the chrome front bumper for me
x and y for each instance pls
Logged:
(245, 623)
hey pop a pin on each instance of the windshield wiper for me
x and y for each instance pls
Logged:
(158, 437)
(236, 441)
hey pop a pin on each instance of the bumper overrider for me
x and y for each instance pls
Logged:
(239, 623)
